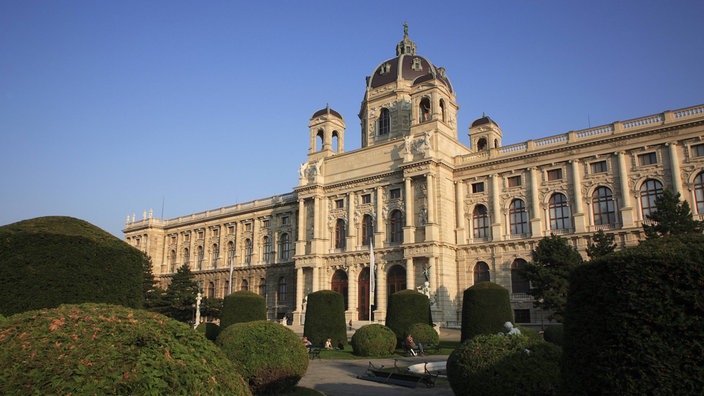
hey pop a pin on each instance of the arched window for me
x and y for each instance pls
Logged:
(649, 191)
(442, 110)
(367, 229)
(226, 289)
(518, 217)
(340, 284)
(248, 251)
(480, 222)
(699, 193)
(266, 244)
(482, 144)
(211, 290)
(340, 234)
(244, 286)
(172, 261)
(335, 141)
(320, 141)
(186, 257)
(384, 122)
(395, 280)
(396, 227)
(424, 108)
(201, 255)
(481, 272)
(215, 255)
(284, 247)
(281, 291)
(262, 287)
(603, 207)
(231, 253)
(559, 212)
(519, 284)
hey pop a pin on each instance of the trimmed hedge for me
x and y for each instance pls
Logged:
(105, 349)
(48, 261)
(485, 308)
(270, 357)
(635, 321)
(209, 330)
(407, 307)
(554, 334)
(325, 317)
(373, 340)
(242, 306)
(504, 365)
(424, 333)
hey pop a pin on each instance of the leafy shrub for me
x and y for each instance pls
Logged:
(270, 357)
(242, 306)
(424, 333)
(407, 307)
(325, 317)
(373, 340)
(50, 261)
(531, 333)
(209, 330)
(554, 334)
(2, 318)
(504, 365)
(106, 349)
(635, 320)
(485, 309)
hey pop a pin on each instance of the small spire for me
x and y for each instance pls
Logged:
(405, 46)
(405, 29)
(327, 108)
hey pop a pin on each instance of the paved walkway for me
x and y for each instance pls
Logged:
(339, 377)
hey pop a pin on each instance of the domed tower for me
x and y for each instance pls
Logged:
(327, 133)
(405, 96)
(484, 134)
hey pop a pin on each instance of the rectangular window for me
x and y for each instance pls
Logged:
(187, 237)
(201, 234)
(216, 231)
(598, 167)
(514, 181)
(248, 227)
(284, 220)
(554, 174)
(395, 193)
(266, 223)
(477, 187)
(231, 229)
(647, 159)
(521, 315)
(367, 198)
(339, 203)
(698, 150)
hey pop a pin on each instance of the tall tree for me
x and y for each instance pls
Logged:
(153, 294)
(552, 261)
(601, 245)
(180, 296)
(671, 217)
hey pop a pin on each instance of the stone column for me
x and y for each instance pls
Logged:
(298, 300)
(380, 293)
(380, 227)
(536, 226)
(460, 237)
(316, 279)
(410, 274)
(497, 222)
(352, 224)
(352, 293)
(409, 229)
(578, 215)
(625, 193)
(431, 227)
(675, 168)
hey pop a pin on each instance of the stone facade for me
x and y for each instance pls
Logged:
(440, 216)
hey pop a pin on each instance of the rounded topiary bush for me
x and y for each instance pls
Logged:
(242, 306)
(373, 340)
(485, 308)
(49, 261)
(423, 333)
(270, 357)
(325, 317)
(554, 334)
(107, 349)
(407, 307)
(634, 320)
(210, 330)
(504, 365)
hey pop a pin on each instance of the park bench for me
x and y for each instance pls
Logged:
(314, 353)
(398, 376)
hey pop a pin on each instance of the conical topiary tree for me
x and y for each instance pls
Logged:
(407, 307)
(325, 317)
(485, 308)
(242, 306)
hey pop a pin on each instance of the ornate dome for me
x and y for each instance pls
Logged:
(407, 66)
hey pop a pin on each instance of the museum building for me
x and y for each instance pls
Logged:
(438, 216)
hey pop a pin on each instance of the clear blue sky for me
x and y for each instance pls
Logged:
(109, 108)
